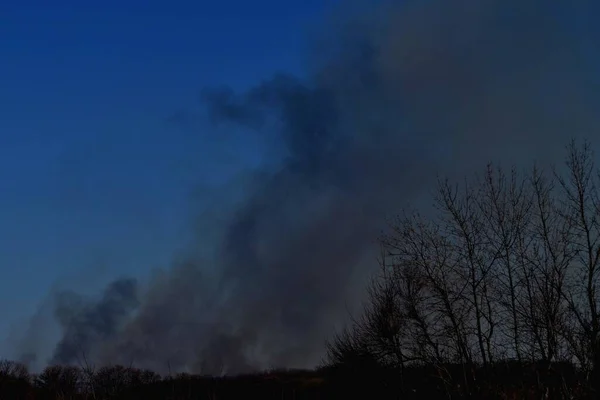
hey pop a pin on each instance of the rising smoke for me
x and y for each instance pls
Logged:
(396, 95)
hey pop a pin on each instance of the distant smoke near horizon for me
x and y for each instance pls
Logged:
(400, 92)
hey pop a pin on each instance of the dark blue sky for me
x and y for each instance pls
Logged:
(94, 177)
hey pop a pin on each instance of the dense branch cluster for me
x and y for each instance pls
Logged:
(506, 268)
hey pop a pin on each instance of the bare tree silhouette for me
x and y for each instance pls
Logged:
(505, 268)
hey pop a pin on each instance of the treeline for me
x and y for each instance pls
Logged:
(119, 382)
(500, 380)
(506, 267)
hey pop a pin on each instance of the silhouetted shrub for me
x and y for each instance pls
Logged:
(59, 381)
(15, 381)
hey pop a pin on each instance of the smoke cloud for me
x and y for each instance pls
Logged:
(397, 93)
(86, 323)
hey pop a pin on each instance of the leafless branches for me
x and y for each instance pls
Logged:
(507, 268)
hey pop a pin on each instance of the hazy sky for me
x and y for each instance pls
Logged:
(110, 167)
(96, 162)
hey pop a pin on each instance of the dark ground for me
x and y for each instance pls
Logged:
(501, 381)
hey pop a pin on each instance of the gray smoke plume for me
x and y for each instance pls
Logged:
(85, 323)
(399, 92)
